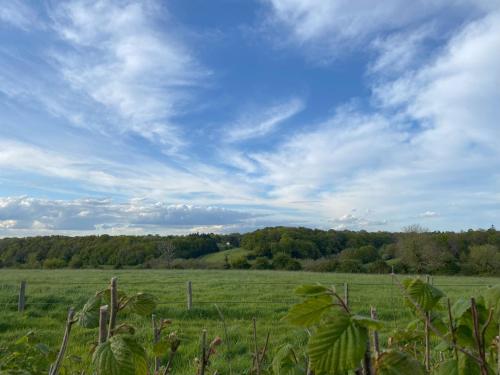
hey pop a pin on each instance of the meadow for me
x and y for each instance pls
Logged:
(240, 296)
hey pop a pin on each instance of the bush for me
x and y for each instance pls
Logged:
(75, 262)
(350, 266)
(321, 265)
(364, 254)
(53, 263)
(379, 266)
(241, 263)
(262, 263)
(285, 262)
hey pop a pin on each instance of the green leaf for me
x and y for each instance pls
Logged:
(310, 311)
(426, 295)
(160, 348)
(285, 362)
(337, 346)
(398, 363)
(141, 304)
(460, 307)
(120, 355)
(88, 316)
(464, 366)
(311, 290)
(368, 323)
(492, 300)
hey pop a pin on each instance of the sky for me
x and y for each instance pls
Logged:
(174, 117)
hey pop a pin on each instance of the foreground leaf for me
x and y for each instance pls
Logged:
(141, 304)
(492, 301)
(464, 366)
(120, 355)
(398, 363)
(88, 316)
(285, 362)
(309, 312)
(311, 290)
(337, 346)
(426, 295)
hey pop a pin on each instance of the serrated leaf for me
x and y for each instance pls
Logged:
(464, 366)
(460, 307)
(398, 363)
(88, 316)
(368, 323)
(492, 301)
(141, 304)
(426, 295)
(311, 290)
(309, 312)
(160, 348)
(120, 355)
(337, 346)
(285, 362)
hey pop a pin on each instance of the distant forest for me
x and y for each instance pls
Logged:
(414, 250)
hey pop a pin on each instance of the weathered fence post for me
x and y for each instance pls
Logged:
(376, 346)
(103, 321)
(189, 295)
(113, 306)
(346, 294)
(22, 296)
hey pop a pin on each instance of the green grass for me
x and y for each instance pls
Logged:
(240, 295)
(219, 256)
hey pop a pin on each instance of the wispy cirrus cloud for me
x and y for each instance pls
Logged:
(18, 14)
(134, 70)
(264, 121)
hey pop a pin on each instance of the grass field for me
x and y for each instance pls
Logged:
(218, 257)
(240, 295)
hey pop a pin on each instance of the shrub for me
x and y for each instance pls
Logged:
(76, 262)
(350, 266)
(379, 266)
(53, 263)
(285, 262)
(320, 265)
(262, 263)
(241, 263)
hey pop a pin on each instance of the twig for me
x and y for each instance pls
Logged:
(256, 355)
(54, 369)
(156, 339)
(478, 337)
(452, 329)
(203, 350)
(431, 326)
(226, 339)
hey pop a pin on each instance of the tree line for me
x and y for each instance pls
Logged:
(413, 250)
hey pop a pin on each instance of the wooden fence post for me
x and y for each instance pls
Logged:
(103, 324)
(346, 294)
(189, 295)
(376, 347)
(22, 296)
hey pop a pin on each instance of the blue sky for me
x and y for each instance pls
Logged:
(223, 116)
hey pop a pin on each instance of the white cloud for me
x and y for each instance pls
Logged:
(19, 214)
(428, 214)
(337, 25)
(263, 122)
(140, 74)
(431, 142)
(18, 14)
